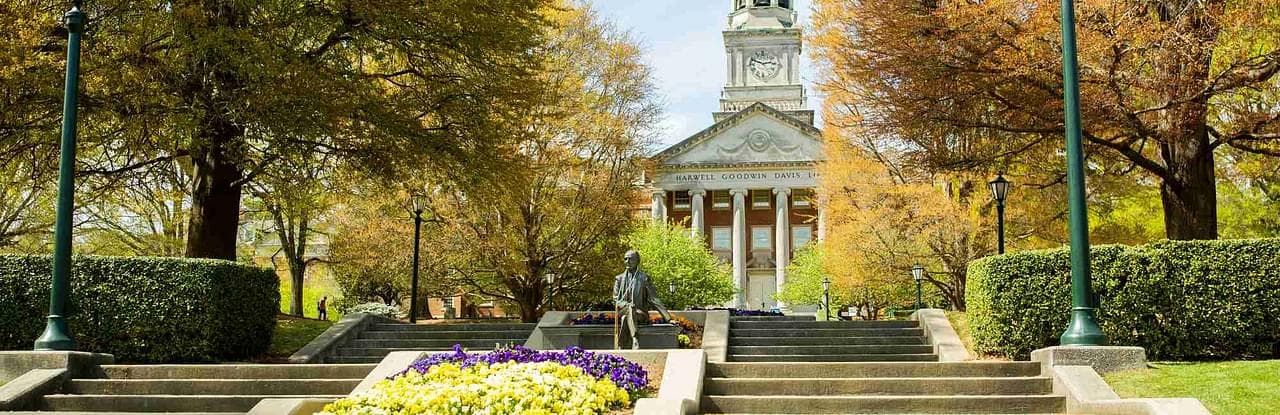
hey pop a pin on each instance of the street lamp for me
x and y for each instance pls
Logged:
(419, 205)
(826, 296)
(917, 274)
(56, 334)
(550, 279)
(1000, 192)
(1083, 329)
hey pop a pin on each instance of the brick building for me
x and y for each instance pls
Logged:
(745, 184)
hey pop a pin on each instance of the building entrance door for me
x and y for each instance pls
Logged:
(760, 290)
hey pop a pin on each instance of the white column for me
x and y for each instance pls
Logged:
(697, 222)
(781, 238)
(658, 207)
(739, 247)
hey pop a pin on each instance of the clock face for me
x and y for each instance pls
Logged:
(764, 65)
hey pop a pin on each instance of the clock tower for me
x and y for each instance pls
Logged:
(762, 51)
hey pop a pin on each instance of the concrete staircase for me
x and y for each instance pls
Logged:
(200, 389)
(793, 366)
(801, 339)
(371, 345)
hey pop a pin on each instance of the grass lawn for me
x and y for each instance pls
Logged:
(291, 334)
(1226, 388)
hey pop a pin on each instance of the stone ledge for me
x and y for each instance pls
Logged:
(1088, 393)
(23, 392)
(335, 336)
(289, 406)
(1103, 359)
(946, 343)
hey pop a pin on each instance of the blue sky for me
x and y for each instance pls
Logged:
(683, 43)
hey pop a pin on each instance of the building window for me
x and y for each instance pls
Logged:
(760, 240)
(720, 200)
(721, 238)
(801, 198)
(801, 236)
(760, 199)
(448, 302)
(681, 201)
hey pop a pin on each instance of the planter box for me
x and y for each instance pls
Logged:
(600, 337)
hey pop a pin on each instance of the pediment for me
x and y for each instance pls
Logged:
(758, 135)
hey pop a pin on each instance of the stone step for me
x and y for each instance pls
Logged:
(211, 386)
(826, 341)
(873, 370)
(836, 349)
(771, 318)
(520, 335)
(880, 386)
(860, 324)
(380, 352)
(833, 358)
(354, 359)
(799, 332)
(846, 404)
(435, 343)
(453, 327)
(161, 403)
(251, 371)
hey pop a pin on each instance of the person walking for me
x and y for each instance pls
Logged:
(323, 308)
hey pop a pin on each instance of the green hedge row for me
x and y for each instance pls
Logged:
(145, 309)
(1181, 300)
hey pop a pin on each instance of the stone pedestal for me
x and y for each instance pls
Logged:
(600, 337)
(1103, 359)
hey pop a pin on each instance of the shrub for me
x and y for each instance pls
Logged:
(1181, 300)
(499, 388)
(145, 309)
(377, 309)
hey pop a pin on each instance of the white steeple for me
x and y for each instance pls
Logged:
(762, 50)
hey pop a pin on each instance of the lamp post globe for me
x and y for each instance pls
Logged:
(57, 335)
(1000, 192)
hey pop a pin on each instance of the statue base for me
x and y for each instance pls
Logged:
(600, 337)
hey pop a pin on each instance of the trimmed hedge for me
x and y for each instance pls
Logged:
(1181, 300)
(144, 309)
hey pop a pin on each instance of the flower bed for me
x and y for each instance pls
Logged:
(505, 381)
(690, 336)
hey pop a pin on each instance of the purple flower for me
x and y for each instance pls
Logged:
(626, 374)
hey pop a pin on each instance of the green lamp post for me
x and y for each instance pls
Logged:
(56, 334)
(1083, 329)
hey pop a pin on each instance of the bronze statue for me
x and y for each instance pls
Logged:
(634, 296)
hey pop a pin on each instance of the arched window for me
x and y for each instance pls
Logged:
(762, 3)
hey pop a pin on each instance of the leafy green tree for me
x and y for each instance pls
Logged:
(552, 229)
(397, 86)
(668, 253)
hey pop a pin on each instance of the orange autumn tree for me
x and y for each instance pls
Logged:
(967, 86)
(882, 219)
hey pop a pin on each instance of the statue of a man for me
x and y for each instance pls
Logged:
(634, 295)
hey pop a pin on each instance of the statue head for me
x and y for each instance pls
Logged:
(632, 259)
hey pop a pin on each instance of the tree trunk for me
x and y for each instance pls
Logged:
(1188, 189)
(215, 201)
(212, 87)
(297, 270)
